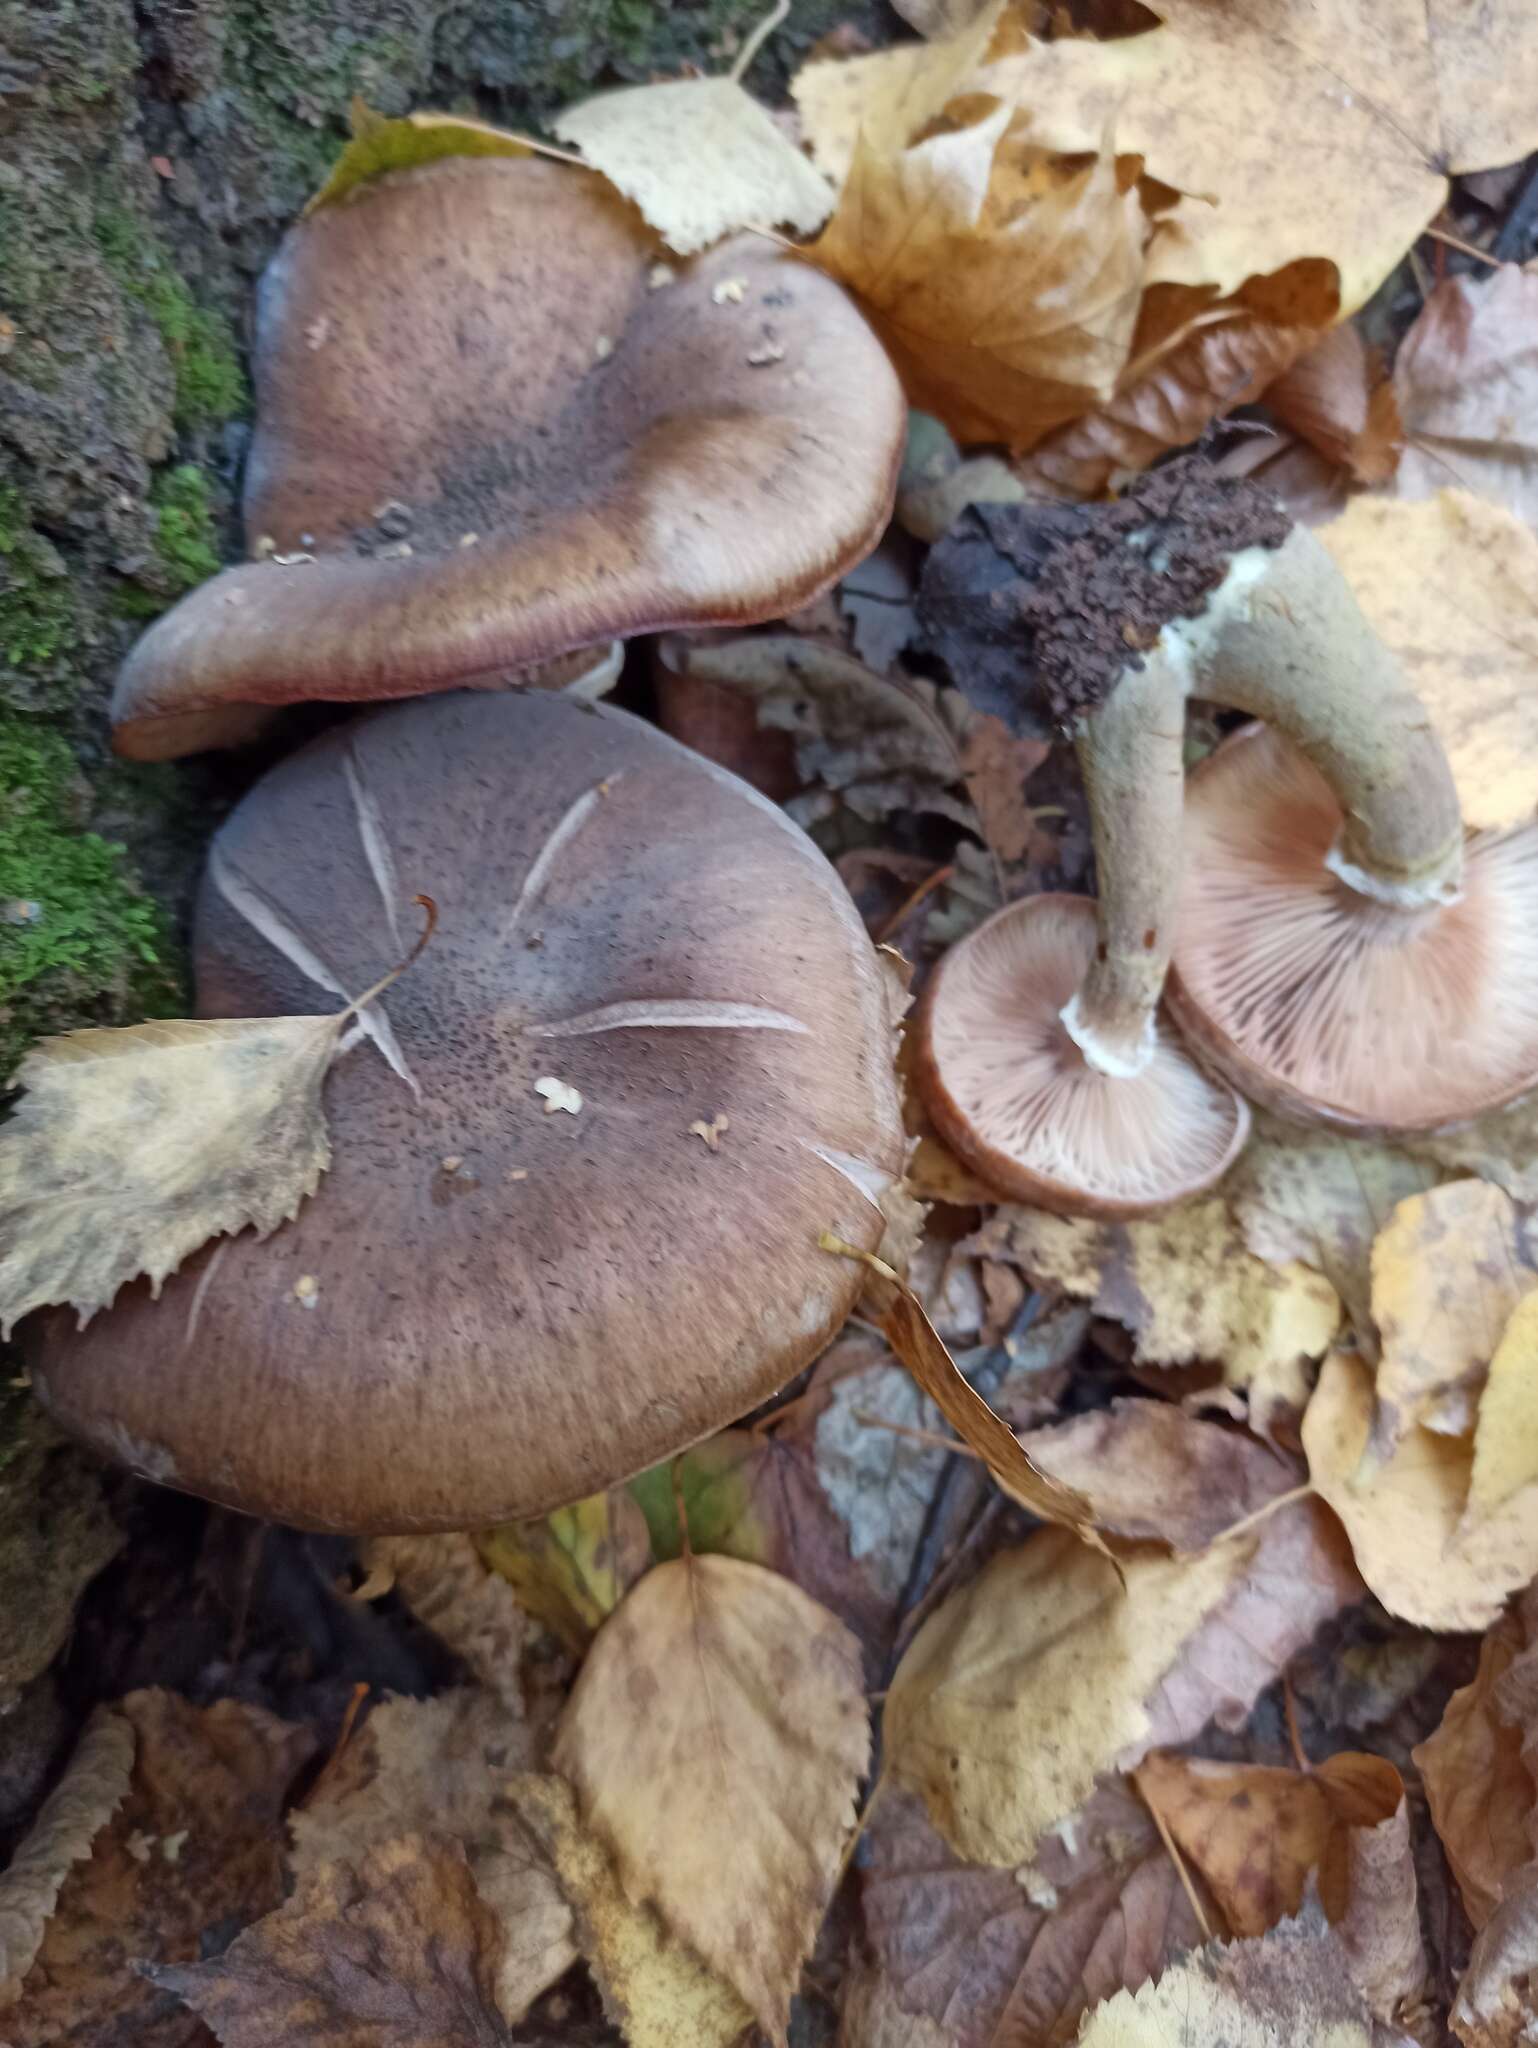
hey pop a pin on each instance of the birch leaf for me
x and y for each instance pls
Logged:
(700, 158)
(132, 1148)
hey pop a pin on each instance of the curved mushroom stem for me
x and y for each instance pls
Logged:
(1132, 753)
(1284, 639)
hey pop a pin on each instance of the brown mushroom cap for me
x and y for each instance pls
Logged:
(493, 1306)
(1014, 1097)
(1324, 1004)
(482, 347)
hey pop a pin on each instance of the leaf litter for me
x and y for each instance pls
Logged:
(645, 1753)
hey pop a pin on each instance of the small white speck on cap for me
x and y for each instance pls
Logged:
(603, 348)
(307, 1290)
(731, 291)
(659, 275)
(558, 1095)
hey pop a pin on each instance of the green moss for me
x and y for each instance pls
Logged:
(37, 612)
(186, 541)
(79, 940)
(209, 383)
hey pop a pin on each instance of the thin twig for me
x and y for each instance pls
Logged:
(1290, 1708)
(930, 1438)
(1261, 1514)
(910, 903)
(1180, 1865)
(1464, 248)
(756, 41)
(360, 1693)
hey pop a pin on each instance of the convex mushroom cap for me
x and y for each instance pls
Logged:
(1013, 1096)
(497, 422)
(579, 1173)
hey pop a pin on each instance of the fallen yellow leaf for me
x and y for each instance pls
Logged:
(1448, 583)
(700, 158)
(654, 1989)
(1005, 284)
(573, 1568)
(1447, 1271)
(1506, 1434)
(1187, 1288)
(716, 1738)
(1405, 1514)
(1311, 130)
(380, 144)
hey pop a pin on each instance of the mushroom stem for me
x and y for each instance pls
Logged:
(1132, 752)
(1289, 644)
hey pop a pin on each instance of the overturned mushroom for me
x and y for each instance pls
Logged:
(490, 431)
(529, 1272)
(1301, 928)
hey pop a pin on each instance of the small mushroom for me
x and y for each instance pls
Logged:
(556, 495)
(1312, 945)
(524, 1277)
(1013, 1095)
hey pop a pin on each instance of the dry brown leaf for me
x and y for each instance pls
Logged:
(80, 1805)
(432, 1768)
(1153, 1472)
(1449, 584)
(1017, 1956)
(1005, 286)
(1258, 1834)
(1187, 1288)
(1245, 105)
(716, 1737)
(446, 1584)
(397, 1953)
(654, 1988)
(1447, 1271)
(1293, 1986)
(1477, 1786)
(1380, 1929)
(1466, 384)
(1405, 1514)
(131, 1148)
(571, 1569)
(900, 1316)
(700, 158)
(871, 2015)
(1322, 1198)
(1170, 393)
(194, 1850)
(1022, 1688)
(1338, 398)
(1494, 2007)
(996, 766)
(887, 98)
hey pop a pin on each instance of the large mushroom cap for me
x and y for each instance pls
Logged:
(494, 1305)
(1324, 1004)
(1011, 1093)
(496, 349)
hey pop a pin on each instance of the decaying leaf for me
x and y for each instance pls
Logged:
(1448, 1269)
(446, 1584)
(876, 743)
(1293, 1986)
(1321, 1198)
(1466, 385)
(572, 1569)
(1506, 1434)
(719, 1725)
(1478, 1787)
(993, 1956)
(1448, 583)
(1339, 399)
(195, 1847)
(700, 158)
(84, 1800)
(654, 1988)
(1502, 1148)
(1173, 387)
(432, 1769)
(380, 144)
(902, 1320)
(1045, 1671)
(397, 1953)
(1494, 2007)
(1005, 284)
(1405, 1514)
(133, 1147)
(885, 99)
(1152, 1472)
(1188, 1289)
(1243, 105)
(1258, 1834)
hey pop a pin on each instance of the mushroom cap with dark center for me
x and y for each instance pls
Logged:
(504, 424)
(1014, 1097)
(494, 1305)
(1325, 1005)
